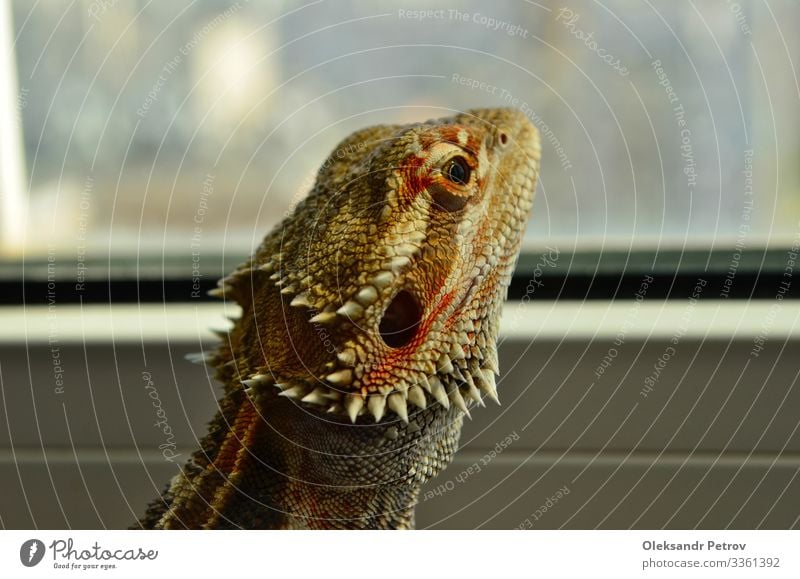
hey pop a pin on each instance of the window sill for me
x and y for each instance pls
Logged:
(543, 320)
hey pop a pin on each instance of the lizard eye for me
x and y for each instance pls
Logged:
(457, 170)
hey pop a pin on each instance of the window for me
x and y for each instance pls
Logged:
(167, 129)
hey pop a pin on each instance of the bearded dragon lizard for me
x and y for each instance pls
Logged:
(368, 329)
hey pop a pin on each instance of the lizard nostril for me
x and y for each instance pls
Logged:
(400, 320)
(503, 138)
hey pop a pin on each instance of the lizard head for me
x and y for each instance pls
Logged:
(381, 294)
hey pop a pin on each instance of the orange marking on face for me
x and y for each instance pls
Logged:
(413, 179)
(480, 183)
(456, 134)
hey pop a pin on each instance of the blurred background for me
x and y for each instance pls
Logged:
(139, 102)
(147, 147)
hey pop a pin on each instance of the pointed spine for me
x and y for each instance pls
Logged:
(438, 392)
(256, 379)
(294, 392)
(417, 397)
(340, 377)
(458, 401)
(323, 318)
(397, 404)
(353, 403)
(486, 382)
(300, 301)
(351, 309)
(377, 406)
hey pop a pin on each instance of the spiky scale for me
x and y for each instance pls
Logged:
(438, 392)
(300, 300)
(490, 360)
(340, 377)
(317, 396)
(256, 380)
(347, 357)
(458, 401)
(456, 352)
(323, 318)
(424, 383)
(377, 406)
(295, 392)
(353, 403)
(472, 390)
(445, 365)
(417, 397)
(397, 404)
(462, 338)
(487, 384)
(351, 309)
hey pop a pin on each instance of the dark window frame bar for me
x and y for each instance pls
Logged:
(540, 275)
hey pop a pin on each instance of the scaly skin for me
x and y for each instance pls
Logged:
(369, 326)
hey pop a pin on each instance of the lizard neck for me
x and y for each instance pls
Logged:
(382, 506)
(276, 464)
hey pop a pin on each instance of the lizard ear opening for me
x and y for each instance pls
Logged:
(400, 320)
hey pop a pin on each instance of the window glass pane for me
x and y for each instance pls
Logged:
(180, 127)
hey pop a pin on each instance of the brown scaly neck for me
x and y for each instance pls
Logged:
(273, 464)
